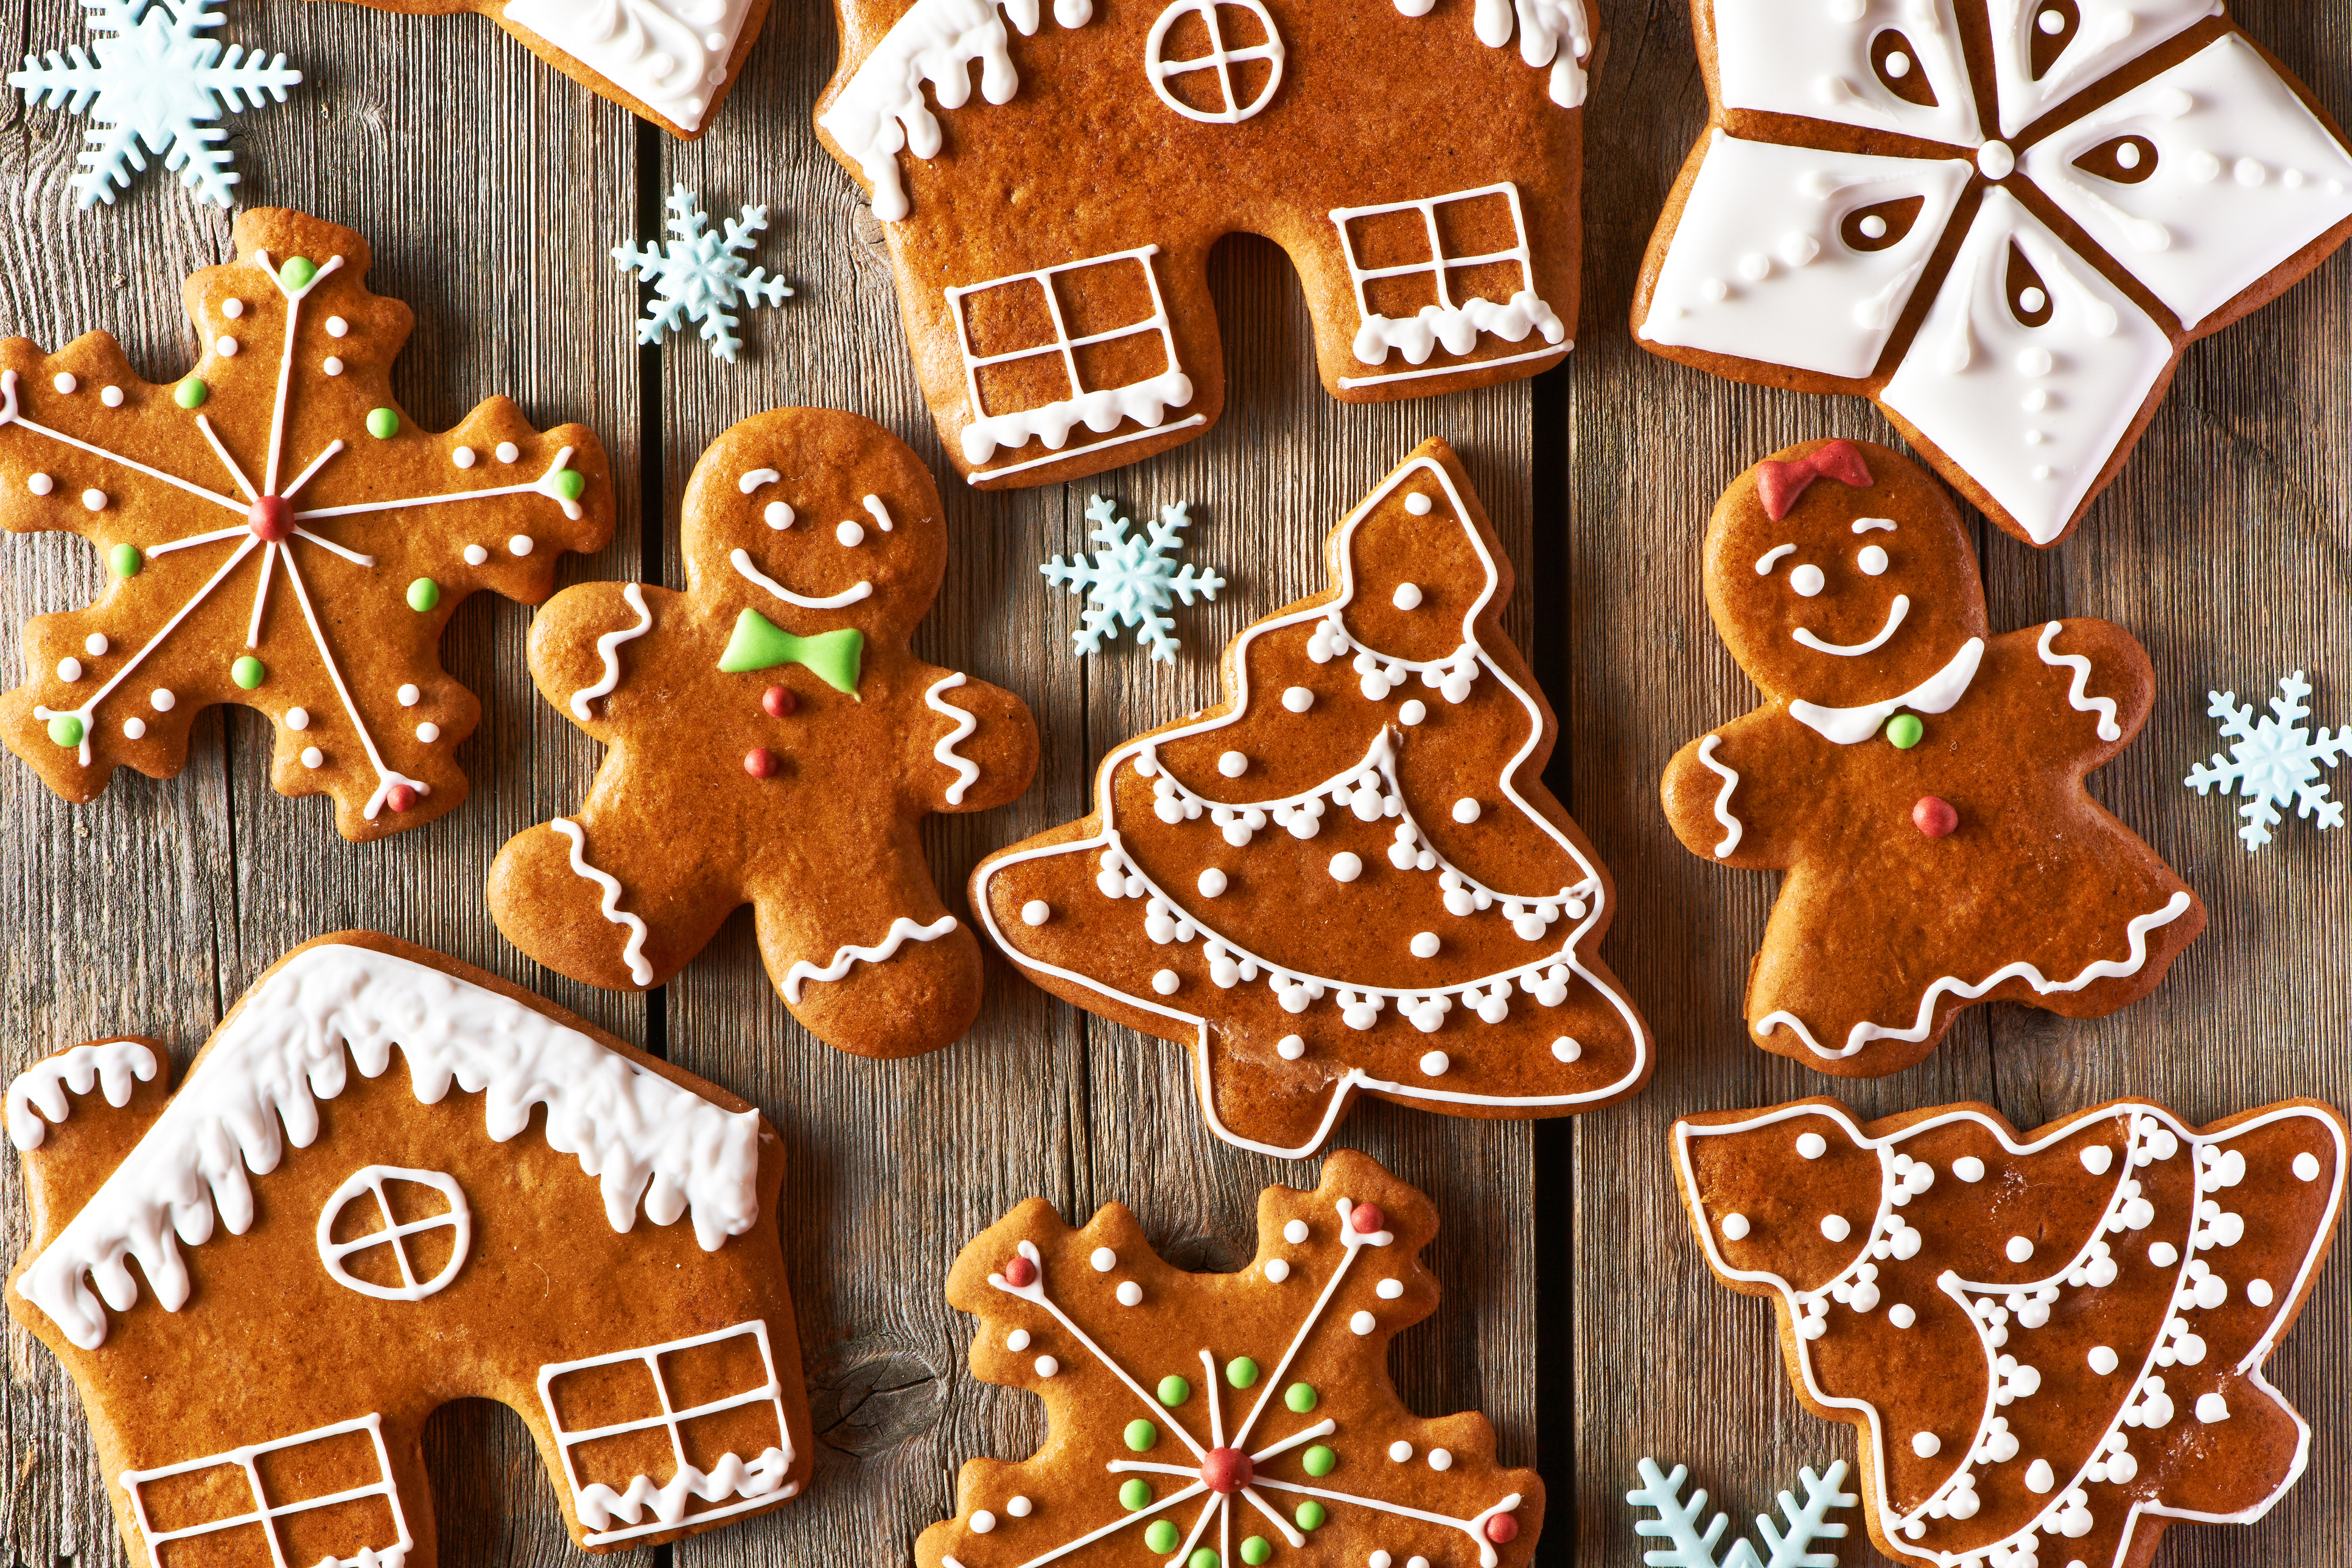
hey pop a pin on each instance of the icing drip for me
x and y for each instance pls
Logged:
(902, 930)
(967, 771)
(1937, 694)
(608, 649)
(2105, 707)
(1732, 828)
(649, 1141)
(731, 1478)
(1101, 410)
(670, 55)
(1543, 27)
(1456, 327)
(634, 953)
(1447, 322)
(110, 1064)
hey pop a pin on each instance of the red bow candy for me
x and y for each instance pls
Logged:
(1780, 485)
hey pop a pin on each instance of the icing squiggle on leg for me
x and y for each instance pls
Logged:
(902, 930)
(634, 953)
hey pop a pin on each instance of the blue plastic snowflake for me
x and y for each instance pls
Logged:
(1678, 1522)
(2274, 761)
(157, 81)
(697, 276)
(1130, 581)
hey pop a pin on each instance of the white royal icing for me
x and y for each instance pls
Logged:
(1732, 828)
(1447, 322)
(111, 1065)
(608, 649)
(1813, 59)
(634, 955)
(902, 932)
(649, 1141)
(2107, 34)
(240, 1465)
(1555, 33)
(1937, 694)
(669, 55)
(967, 771)
(2105, 707)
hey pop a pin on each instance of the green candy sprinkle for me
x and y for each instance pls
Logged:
(1160, 1536)
(1174, 1390)
(296, 271)
(66, 729)
(1204, 1558)
(1135, 1495)
(570, 483)
(1141, 1434)
(1241, 1371)
(124, 560)
(191, 394)
(424, 594)
(1905, 730)
(1319, 1460)
(383, 424)
(1311, 1516)
(1257, 1550)
(1301, 1397)
(248, 672)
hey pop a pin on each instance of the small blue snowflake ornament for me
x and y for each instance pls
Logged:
(1678, 1522)
(2275, 761)
(1130, 581)
(697, 276)
(155, 81)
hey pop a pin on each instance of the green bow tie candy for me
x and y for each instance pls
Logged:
(760, 644)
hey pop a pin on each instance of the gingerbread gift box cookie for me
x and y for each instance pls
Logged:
(2052, 1345)
(276, 533)
(1051, 237)
(2000, 220)
(1214, 1419)
(329, 1244)
(772, 741)
(1348, 877)
(1918, 778)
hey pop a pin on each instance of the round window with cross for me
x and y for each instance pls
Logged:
(1218, 61)
(393, 1234)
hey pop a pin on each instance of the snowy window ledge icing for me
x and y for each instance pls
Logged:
(2195, 183)
(670, 55)
(649, 1143)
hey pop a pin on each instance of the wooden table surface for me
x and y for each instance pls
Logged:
(1578, 1313)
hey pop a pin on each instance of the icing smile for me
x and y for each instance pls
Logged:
(1895, 613)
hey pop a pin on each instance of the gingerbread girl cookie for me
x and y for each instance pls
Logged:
(1919, 779)
(2052, 1345)
(277, 533)
(1348, 877)
(773, 742)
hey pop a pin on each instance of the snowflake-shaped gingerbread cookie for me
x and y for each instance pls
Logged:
(1205, 1420)
(2053, 1344)
(2005, 244)
(276, 533)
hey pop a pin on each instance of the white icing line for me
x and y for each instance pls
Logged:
(1463, 369)
(111, 1065)
(742, 559)
(1937, 694)
(1074, 453)
(1732, 828)
(902, 930)
(10, 415)
(967, 771)
(1895, 613)
(755, 479)
(608, 649)
(634, 953)
(264, 1514)
(1764, 562)
(2105, 707)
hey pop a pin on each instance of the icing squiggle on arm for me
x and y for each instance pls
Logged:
(967, 771)
(902, 930)
(110, 1064)
(634, 953)
(607, 649)
(1732, 828)
(2105, 707)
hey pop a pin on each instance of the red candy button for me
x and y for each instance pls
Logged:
(400, 798)
(1366, 1219)
(779, 701)
(761, 763)
(1934, 817)
(1502, 1529)
(1020, 1274)
(271, 520)
(1226, 1471)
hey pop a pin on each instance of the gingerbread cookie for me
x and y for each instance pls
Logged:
(773, 742)
(2052, 1345)
(1999, 220)
(329, 1247)
(1918, 778)
(1051, 245)
(277, 533)
(1210, 1419)
(1347, 876)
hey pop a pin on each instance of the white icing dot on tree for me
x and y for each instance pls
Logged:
(1566, 1050)
(1298, 700)
(1735, 1227)
(1166, 982)
(1465, 811)
(1295, 1232)
(2104, 1359)
(1233, 764)
(1102, 1259)
(1036, 912)
(2259, 1292)
(2020, 1249)
(1969, 1168)
(1835, 1228)
(1346, 867)
(1408, 596)
(2164, 1255)
(1926, 1445)
(1425, 944)
(1412, 713)
(1813, 1145)
(2097, 1158)
(1211, 883)
(2306, 1167)
(1417, 504)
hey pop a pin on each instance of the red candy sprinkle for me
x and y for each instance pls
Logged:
(1227, 1471)
(1020, 1274)
(779, 701)
(1934, 817)
(271, 520)
(1366, 1219)
(400, 798)
(761, 763)
(1502, 1529)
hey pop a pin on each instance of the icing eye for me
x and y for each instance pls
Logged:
(1897, 64)
(2029, 299)
(1880, 227)
(2125, 160)
(1872, 561)
(1808, 580)
(2055, 23)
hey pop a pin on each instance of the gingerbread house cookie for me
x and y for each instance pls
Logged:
(1919, 778)
(329, 1244)
(1419, 160)
(2051, 1345)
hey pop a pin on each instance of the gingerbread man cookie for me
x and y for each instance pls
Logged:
(773, 742)
(1210, 1419)
(332, 1244)
(2052, 1345)
(1348, 877)
(277, 533)
(1919, 779)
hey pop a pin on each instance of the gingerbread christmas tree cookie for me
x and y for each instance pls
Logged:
(331, 1244)
(1919, 778)
(276, 533)
(1215, 1419)
(1348, 877)
(773, 742)
(2053, 1344)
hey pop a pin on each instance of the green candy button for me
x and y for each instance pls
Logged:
(1301, 1397)
(1174, 1390)
(66, 729)
(1141, 1434)
(1135, 1495)
(125, 560)
(297, 271)
(1160, 1536)
(191, 394)
(383, 424)
(1241, 1371)
(248, 672)
(424, 594)
(1257, 1550)
(1204, 1558)
(570, 483)
(1905, 730)
(1311, 1516)
(1319, 1460)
